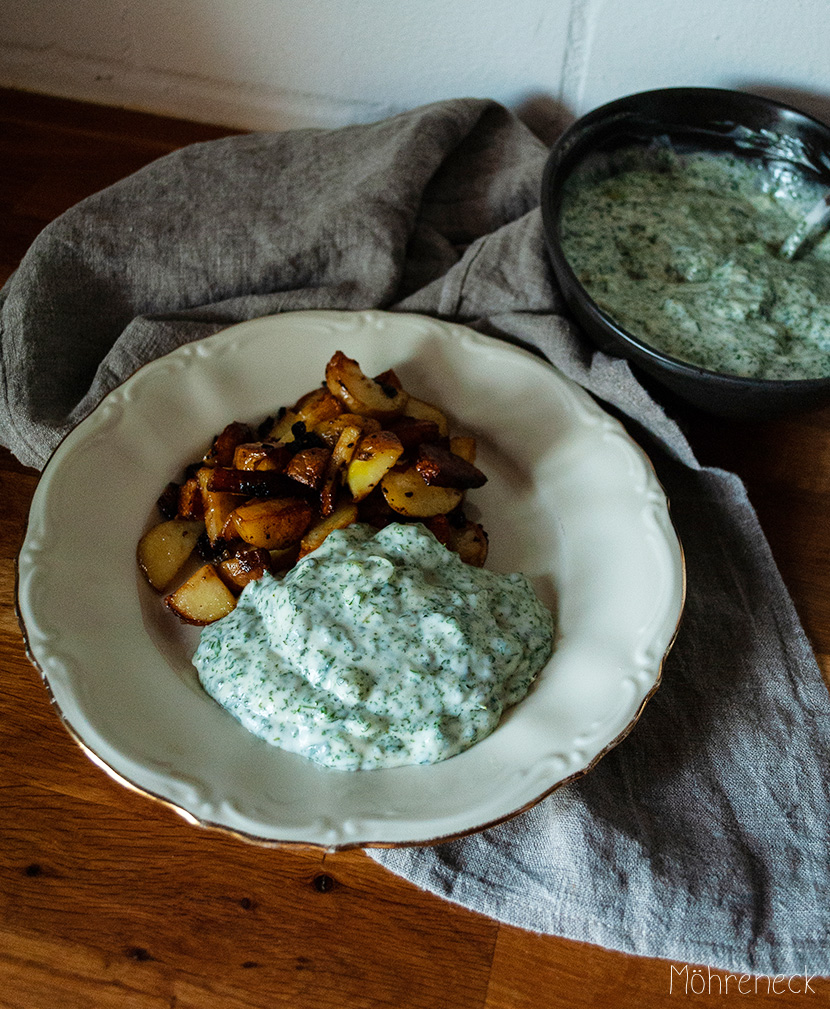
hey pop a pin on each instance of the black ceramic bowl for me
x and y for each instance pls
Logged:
(704, 118)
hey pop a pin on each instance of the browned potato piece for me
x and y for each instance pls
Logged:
(470, 543)
(389, 377)
(249, 482)
(318, 405)
(329, 430)
(406, 492)
(218, 505)
(362, 394)
(441, 468)
(281, 431)
(261, 455)
(274, 523)
(375, 511)
(164, 549)
(283, 559)
(224, 444)
(168, 501)
(203, 598)
(464, 446)
(413, 431)
(190, 504)
(340, 458)
(374, 456)
(247, 565)
(439, 526)
(342, 516)
(314, 408)
(308, 466)
(468, 540)
(422, 410)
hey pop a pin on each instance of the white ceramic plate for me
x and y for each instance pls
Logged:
(571, 501)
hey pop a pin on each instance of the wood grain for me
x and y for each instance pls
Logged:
(110, 900)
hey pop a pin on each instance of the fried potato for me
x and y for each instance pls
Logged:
(203, 598)
(467, 539)
(224, 444)
(248, 564)
(190, 504)
(340, 458)
(408, 494)
(312, 409)
(343, 516)
(374, 456)
(414, 431)
(421, 410)
(442, 468)
(470, 543)
(274, 523)
(328, 431)
(168, 501)
(249, 482)
(218, 505)
(261, 455)
(464, 446)
(362, 394)
(308, 467)
(163, 550)
(354, 449)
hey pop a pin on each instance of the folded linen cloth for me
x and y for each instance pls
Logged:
(700, 838)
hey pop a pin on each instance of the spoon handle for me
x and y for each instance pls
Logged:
(814, 224)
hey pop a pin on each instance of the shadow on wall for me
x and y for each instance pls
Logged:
(811, 102)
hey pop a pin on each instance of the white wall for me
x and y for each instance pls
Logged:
(274, 64)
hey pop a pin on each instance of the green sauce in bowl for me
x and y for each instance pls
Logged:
(682, 251)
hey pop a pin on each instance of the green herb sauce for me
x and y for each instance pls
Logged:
(682, 251)
(378, 649)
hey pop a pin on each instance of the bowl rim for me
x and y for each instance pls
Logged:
(551, 208)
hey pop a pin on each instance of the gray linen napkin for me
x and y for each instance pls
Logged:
(702, 837)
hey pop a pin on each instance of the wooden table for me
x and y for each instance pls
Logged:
(110, 900)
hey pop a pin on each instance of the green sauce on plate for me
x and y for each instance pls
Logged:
(378, 649)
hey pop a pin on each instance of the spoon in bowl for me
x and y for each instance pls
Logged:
(814, 224)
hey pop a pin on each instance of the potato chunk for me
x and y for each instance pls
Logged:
(442, 468)
(421, 410)
(248, 564)
(341, 456)
(316, 407)
(329, 431)
(258, 455)
(374, 456)
(225, 443)
(308, 467)
(362, 394)
(274, 524)
(470, 543)
(218, 505)
(164, 549)
(203, 598)
(408, 493)
(342, 516)
(464, 446)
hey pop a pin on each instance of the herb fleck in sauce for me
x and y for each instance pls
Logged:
(682, 250)
(379, 649)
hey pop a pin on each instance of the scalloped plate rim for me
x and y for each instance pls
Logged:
(202, 350)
